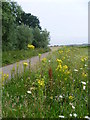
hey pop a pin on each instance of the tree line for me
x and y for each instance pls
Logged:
(20, 28)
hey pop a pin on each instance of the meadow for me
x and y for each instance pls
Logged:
(58, 88)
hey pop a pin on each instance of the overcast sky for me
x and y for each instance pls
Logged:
(66, 20)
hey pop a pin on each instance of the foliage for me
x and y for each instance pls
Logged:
(41, 38)
(29, 20)
(57, 89)
(19, 28)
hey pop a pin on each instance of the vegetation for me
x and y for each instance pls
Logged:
(20, 28)
(9, 57)
(57, 89)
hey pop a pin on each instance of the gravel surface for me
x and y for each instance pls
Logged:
(34, 60)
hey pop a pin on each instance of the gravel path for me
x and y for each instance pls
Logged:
(34, 60)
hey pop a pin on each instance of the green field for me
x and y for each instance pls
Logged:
(58, 88)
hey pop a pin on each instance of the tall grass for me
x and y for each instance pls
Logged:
(58, 88)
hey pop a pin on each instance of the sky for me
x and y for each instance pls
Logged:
(66, 20)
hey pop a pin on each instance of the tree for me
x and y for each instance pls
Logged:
(41, 38)
(28, 19)
(24, 36)
(10, 11)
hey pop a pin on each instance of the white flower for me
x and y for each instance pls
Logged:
(71, 104)
(49, 61)
(74, 114)
(73, 107)
(75, 70)
(81, 68)
(60, 116)
(84, 87)
(29, 92)
(85, 65)
(61, 96)
(84, 83)
(70, 115)
(87, 117)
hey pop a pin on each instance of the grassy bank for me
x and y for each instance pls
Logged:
(57, 89)
(9, 57)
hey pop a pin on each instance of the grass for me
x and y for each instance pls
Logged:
(58, 88)
(9, 57)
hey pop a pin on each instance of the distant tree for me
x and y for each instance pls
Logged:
(41, 38)
(30, 20)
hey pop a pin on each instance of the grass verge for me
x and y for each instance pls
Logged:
(57, 89)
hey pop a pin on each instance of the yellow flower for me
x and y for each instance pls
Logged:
(44, 60)
(70, 97)
(41, 83)
(25, 63)
(84, 74)
(67, 72)
(7, 76)
(39, 55)
(51, 97)
(31, 46)
(83, 59)
(60, 51)
(59, 61)
(65, 78)
(65, 67)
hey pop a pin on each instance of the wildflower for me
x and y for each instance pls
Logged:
(59, 61)
(25, 63)
(74, 114)
(83, 59)
(75, 70)
(41, 83)
(70, 115)
(65, 67)
(39, 55)
(84, 83)
(85, 65)
(70, 103)
(60, 51)
(61, 116)
(84, 74)
(29, 92)
(44, 60)
(87, 117)
(60, 96)
(51, 97)
(73, 107)
(49, 61)
(31, 46)
(68, 72)
(84, 87)
(70, 97)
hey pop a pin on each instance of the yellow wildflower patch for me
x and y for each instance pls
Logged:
(70, 97)
(60, 51)
(31, 46)
(41, 83)
(25, 63)
(84, 74)
(44, 60)
(59, 61)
